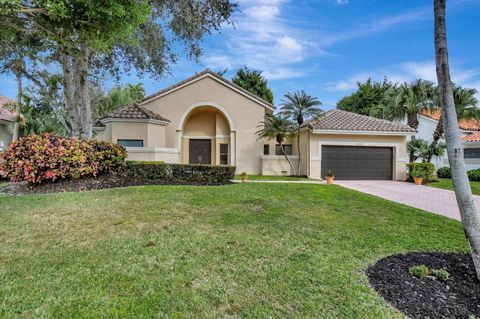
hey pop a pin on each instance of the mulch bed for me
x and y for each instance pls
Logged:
(89, 183)
(459, 297)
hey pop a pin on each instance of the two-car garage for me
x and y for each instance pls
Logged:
(358, 162)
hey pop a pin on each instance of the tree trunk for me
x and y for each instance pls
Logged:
(412, 120)
(286, 157)
(69, 92)
(83, 95)
(463, 193)
(75, 88)
(18, 104)
(298, 150)
(437, 135)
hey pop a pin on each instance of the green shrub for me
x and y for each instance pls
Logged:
(419, 271)
(441, 274)
(423, 170)
(444, 172)
(46, 157)
(474, 175)
(204, 174)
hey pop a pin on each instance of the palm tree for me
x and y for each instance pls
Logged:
(278, 128)
(465, 106)
(463, 192)
(137, 92)
(300, 107)
(408, 100)
(416, 148)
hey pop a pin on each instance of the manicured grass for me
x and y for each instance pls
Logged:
(446, 183)
(273, 178)
(246, 250)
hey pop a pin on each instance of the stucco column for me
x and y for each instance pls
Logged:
(178, 143)
(233, 152)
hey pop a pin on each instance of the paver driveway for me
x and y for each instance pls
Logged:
(435, 200)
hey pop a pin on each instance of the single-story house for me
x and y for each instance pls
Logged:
(207, 119)
(7, 119)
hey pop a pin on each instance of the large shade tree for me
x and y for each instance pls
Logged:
(369, 98)
(277, 128)
(463, 192)
(254, 82)
(90, 37)
(300, 107)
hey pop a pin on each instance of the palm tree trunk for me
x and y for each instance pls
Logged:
(288, 160)
(437, 135)
(298, 150)
(463, 193)
(412, 120)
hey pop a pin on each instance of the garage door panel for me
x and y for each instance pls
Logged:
(358, 162)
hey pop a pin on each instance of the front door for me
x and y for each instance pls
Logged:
(200, 151)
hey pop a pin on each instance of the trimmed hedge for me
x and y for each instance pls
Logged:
(202, 174)
(474, 175)
(444, 172)
(46, 157)
(423, 170)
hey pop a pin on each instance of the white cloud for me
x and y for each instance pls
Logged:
(341, 2)
(288, 44)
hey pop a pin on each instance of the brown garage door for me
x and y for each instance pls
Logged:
(358, 162)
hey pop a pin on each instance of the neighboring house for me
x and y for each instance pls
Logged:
(207, 119)
(427, 125)
(6, 122)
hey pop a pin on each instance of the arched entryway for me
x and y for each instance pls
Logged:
(206, 136)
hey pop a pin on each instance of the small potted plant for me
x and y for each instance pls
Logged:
(418, 179)
(330, 177)
(244, 177)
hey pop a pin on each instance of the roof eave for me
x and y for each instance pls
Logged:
(362, 132)
(133, 120)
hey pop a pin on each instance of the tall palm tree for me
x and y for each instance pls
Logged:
(465, 106)
(300, 107)
(408, 100)
(278, 128)
(137, 92)
(463, 192)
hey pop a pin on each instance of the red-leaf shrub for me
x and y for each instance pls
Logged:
(39, 158)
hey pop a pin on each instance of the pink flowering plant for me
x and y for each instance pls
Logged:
(46, 157)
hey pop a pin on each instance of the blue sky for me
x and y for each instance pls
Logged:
(325, 46)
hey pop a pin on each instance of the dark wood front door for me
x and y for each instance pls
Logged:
(200, 151)
(358, 162)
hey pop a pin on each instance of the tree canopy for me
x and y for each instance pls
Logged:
(369, 96)
(254, 82)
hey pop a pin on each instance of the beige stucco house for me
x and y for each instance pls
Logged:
(7, 119)
(207, 119)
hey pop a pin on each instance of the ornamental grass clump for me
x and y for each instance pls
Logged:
(46, 157)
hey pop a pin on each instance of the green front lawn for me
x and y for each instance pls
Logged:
(446, 183)
(245, 250)
(273, 178)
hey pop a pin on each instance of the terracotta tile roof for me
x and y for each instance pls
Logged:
(5, 114)
(467, 125)
(473, 137)
(339, 120)
(215, 75)
(133, 111)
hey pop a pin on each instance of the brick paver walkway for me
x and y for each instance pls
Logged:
(435, 200)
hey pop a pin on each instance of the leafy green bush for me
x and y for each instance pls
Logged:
(204, 174)
(419, 271)
(474, 175)
(444, 172)
(441, 274)
(423, 170)
(46, 157)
